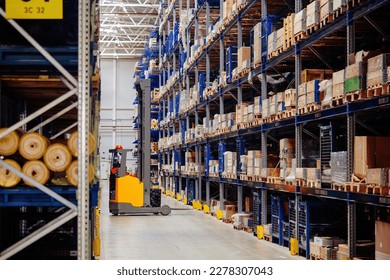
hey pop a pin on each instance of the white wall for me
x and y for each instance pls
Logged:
(117, 111)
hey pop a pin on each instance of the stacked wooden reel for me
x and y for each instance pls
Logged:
(41, 158)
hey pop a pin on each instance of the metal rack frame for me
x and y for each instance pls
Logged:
(348, 110)
(80, 87)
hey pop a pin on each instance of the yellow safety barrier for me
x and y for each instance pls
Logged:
(294, 246)
(167, 192)
(185, 200)
(96, 239)
(260, 232)
(219, 214)
(206, 209)
(178, 196)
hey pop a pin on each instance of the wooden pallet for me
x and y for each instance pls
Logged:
(352, 3)
(312, 29)
(378, 90)
(248, 229)
(229, 176)
(290, 42)
(267, 238)
(377, 189)
(239, 227)
(257, 122)
(269, 119)
(355, 96)
(313, 184)
(339, 12)
(300, 36)
(274, 180)
(337, 101)
(326, 20)
(244, 72)
(314, 257)
(241, 6)
(277, 52)
(309, 108)
(227, 221)
(257, 64)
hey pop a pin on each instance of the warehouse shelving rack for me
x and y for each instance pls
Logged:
(211, 60)
(77, 207)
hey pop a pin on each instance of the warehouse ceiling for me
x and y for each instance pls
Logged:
(125, 26)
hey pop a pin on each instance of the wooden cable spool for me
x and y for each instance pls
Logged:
(73, 144)
(33, 146)
(36, 170)
(9, 144)
(57, 157)
(72, 173)
(9, 179)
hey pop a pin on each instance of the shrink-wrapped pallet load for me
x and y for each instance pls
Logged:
(37, 171)
(7, 177)
(57, 157)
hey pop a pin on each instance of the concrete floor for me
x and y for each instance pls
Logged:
(183, 235)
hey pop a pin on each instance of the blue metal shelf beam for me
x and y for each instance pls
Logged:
(27, 196)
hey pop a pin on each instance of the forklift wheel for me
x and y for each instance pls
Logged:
(165, 210)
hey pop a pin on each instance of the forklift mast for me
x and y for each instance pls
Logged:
(144, 141)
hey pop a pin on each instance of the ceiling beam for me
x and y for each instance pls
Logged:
(129, 25)
(129, 5)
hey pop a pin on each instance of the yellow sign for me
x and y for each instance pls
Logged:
(34, 9)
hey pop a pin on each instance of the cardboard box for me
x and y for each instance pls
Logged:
(227, 6)
(370, 152)
(290, 98)
(323, 241)
(328, 253)
(377, 176)
(338, 77)
(326, 8)
(315, 249)
(302, 89)
(313, 174)
(312, 14)
(267, 229)
(257, 43)
(382, 240)
(300, 22)
(244, 53)
(300, 173)
(355, 70)
(271, 42)
(337, 4)
(315, 74)
(248, 204)
(301, 101)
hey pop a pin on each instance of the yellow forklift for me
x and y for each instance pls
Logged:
(128, 195)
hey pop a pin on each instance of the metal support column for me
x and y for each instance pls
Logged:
(352, 229)
(239, 45)
(84, 77)
(350, 35)
(264, 207)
